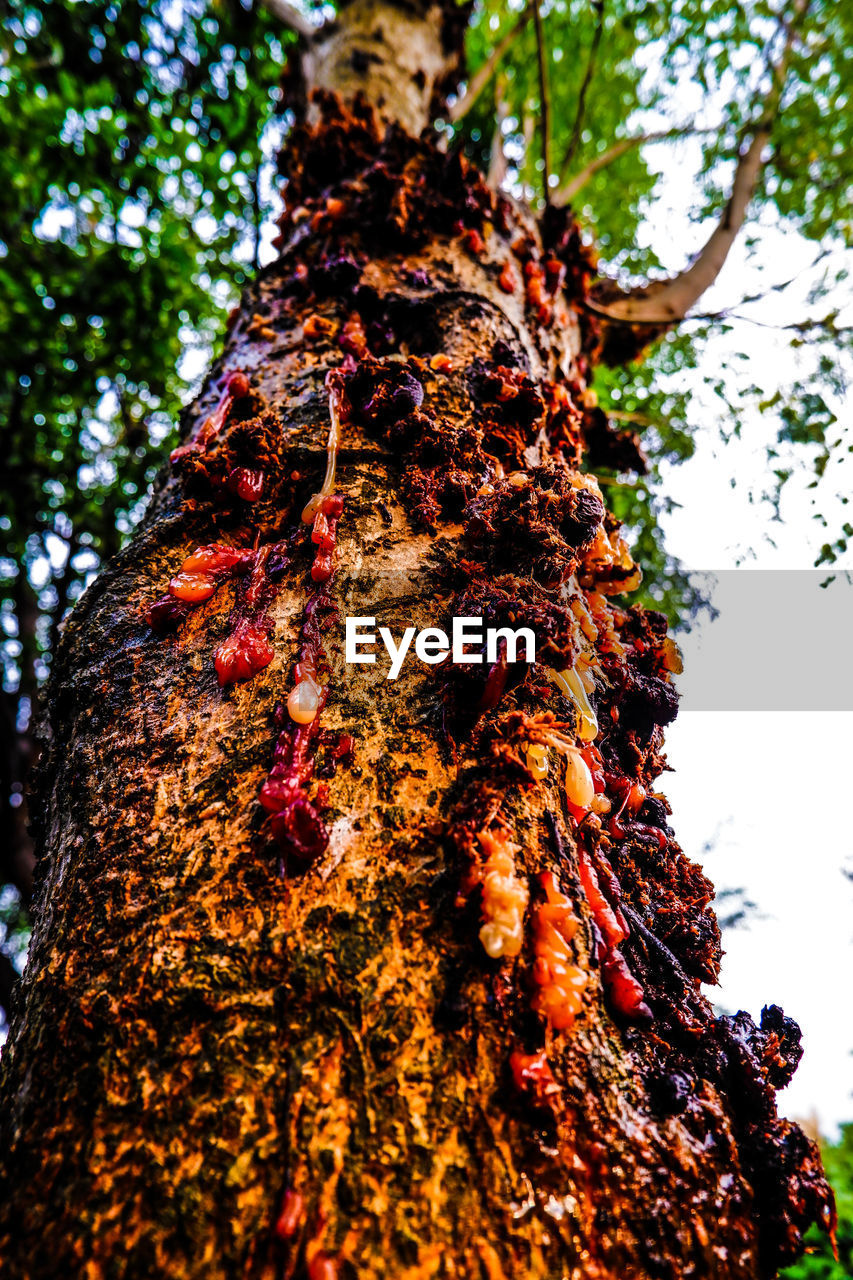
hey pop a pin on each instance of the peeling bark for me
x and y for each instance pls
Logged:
(243, 1053)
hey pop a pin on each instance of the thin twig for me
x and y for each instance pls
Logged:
(574, 142)
(619, 149)
(783, 284)
(544, 101)
(497, 160)
(654, 942)
(731, 312)
(709, 317)
(827, 323)
(483, 75)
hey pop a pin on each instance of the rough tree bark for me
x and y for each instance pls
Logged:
(266, 1039)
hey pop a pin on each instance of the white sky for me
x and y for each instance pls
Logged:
(769, 789)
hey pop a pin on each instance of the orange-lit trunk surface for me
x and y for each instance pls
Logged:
(339, 976)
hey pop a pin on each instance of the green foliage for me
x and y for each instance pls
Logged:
(130, 210)
(645, 397)
(819, 1262)
(14, 927)
(131, 207)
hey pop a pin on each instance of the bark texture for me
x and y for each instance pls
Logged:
(267, 1040)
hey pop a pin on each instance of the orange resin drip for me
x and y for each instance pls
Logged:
(561, 984)
(504, 897)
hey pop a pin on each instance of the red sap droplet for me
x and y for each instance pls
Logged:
(623, 989)
(216, 557)
(166, 614)
(242, 655)
(324, 534)
(192, 587)
(291, 1214)
(531, 1071)
(322, 1267)
(506, 279)
(320, 531)
(238, 385)
(322, 568)
(602, 912)
(474, 241)
(247, 484)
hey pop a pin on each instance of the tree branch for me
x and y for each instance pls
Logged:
(497, 160)
(664, 303)
(544, 101)
(731, 312)
(619, 149)
(483, 75)
(289, 16)
(574, 142)
(668, 301)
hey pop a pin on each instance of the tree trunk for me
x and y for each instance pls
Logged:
(422, 1011)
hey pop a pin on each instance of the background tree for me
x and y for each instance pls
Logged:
(178, 58)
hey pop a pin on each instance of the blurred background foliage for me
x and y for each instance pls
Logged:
(136, 191)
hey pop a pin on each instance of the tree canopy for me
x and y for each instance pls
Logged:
(137, 180)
